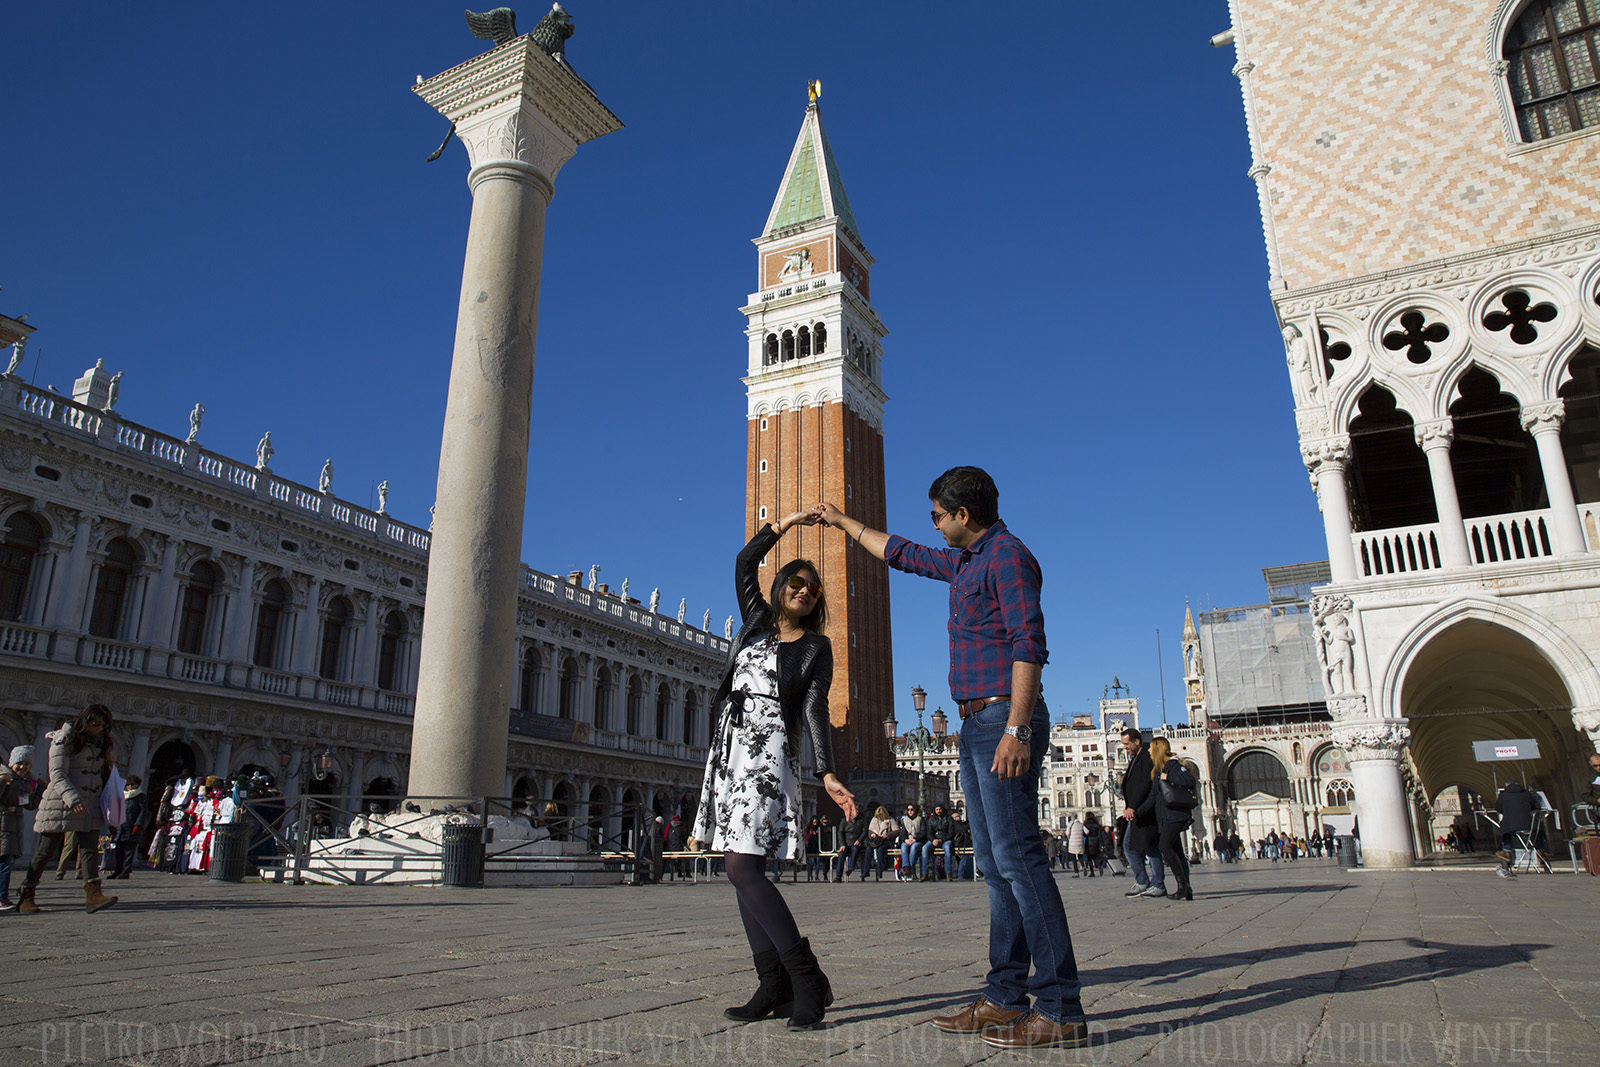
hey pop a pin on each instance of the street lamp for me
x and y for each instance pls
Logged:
(922, 742)
(323, 763)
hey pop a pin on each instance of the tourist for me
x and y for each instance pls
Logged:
(18, 793)
(813, 844)
(1170, 782)
(852, 846)
(1141, 843)
(1516, 806)
(775, 684)
(997, 651)
(126, 845)
(939, 847)
(913, 834)
(961, 838)
(80, 758)
(1076, 839)
(1093, 840)
(882, 832)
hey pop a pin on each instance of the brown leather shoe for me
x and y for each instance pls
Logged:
(1035, 1031)
(976, 1017)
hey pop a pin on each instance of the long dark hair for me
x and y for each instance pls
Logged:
(80, 726)
(817, 617)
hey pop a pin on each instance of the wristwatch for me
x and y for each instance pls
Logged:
(1022, 733)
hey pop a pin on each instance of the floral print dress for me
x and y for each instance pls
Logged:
(750, 801)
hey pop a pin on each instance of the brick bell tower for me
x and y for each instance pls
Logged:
(816, 427)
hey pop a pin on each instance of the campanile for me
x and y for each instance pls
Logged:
(815, 418)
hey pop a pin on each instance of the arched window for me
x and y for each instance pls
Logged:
(663, 711)
(269, 623)
(569, 687)
(805, 341)
(1341, 794)
(1553, 63)
(691, 708)
(1389, 482)
(772, 349)
(19, 548)
(602, 699)
(819, 338)
(335, 624)
(1580, 430)
(111, 590)
(1495, 460)
(528, 684)
(389, 645)
(788, 345)
(1258, 772)
(635, 705)
(195, 608)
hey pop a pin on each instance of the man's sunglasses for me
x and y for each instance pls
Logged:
(796, 582)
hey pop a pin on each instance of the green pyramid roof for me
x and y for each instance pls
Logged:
(812, 190)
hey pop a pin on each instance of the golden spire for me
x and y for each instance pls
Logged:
(814, 90)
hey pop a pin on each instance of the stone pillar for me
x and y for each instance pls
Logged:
(70, 598)
(1325, 458)
(139, 757)
(304, 661)
(584, 712)
(1374, 747)
(1435, 439)
(358, 782)
(224, 757)
(1543, 421)
(162, 601)
(365, 672)
(238, 624)
(521, 116)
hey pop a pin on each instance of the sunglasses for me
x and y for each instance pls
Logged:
(796, 582)
(938, 516)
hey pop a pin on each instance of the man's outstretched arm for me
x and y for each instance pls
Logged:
(874, 541)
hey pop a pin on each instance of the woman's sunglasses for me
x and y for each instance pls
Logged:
(797, 583)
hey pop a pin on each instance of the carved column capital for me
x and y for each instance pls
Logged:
(1440, 433)
(1325, 452)
(1373, 739)
(1348, 707)
(1545, 417)
(1588, 720)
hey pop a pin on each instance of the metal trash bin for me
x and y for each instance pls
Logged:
(1347, 850)
(228, 842)
(463, 855)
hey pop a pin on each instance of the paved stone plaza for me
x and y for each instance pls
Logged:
(1270, 964)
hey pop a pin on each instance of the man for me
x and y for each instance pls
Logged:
(852, 845)
(1141, 840)
(997, 650)
(939, 841)
(126, 846)
(1516, 807)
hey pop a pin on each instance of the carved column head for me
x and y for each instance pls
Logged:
(1373, 739)
(1544, 417)
(1588, 720)
(1325, 453)
(1437, 434)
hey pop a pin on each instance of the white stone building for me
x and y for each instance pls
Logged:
(1429, 200)
(233, 619)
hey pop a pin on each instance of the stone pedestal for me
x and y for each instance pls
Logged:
(521, 116)
(1375, 748)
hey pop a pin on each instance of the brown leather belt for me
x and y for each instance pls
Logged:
(967, 707)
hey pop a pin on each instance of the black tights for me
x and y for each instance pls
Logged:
(768, 923)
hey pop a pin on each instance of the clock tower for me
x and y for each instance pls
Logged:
(815, 427)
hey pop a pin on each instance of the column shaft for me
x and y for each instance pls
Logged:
(1336, 522)
(1452, 528)
(1565, 527)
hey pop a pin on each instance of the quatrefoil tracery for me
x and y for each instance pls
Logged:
(1416, 337)
(1519, 316)
(1332, 352)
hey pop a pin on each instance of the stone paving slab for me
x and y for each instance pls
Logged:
(1300, 963)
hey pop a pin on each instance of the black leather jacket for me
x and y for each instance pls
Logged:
(805, 666)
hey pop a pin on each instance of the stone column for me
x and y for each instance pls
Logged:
(521, 116)
(1543, 421)
(69, 598)
(162, 601)
(366, 656)
(238, 625)
(139, 758)
(1435, 439)
(224, 757)
(1374, 747)
(304, 661)
(1325, 458)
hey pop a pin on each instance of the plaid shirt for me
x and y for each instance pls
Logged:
(995, 618)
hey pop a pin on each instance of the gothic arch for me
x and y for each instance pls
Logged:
(1513, 381)
(1408, 398)
(1577, 672)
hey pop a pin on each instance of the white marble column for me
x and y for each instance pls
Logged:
(1374, 747)
(521, 116)
(69, 596)
(1435, 439)
(238, 622)
(162, 600)
(1543, 421)
(224, 759)
(307, 629)
(1326, 458)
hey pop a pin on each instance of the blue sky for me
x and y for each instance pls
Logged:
(235, 210)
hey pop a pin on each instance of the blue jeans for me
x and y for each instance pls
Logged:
(5, 877)
(1158, 872)
(949, 851)
(1027, 922)
(910, 851)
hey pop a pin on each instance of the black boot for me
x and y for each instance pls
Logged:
(812, 993)
(773, 996)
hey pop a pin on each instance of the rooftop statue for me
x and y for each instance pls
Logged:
(552, 32)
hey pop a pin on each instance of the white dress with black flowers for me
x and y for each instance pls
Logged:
(750, 801)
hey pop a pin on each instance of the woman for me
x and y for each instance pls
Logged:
(914, 832)
(1171, 819)
(1092, 836)
(813, 849)
(776, 679)
(80, 758)
(1075, 844)
(880, 831)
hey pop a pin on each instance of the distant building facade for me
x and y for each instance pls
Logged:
(235, 620)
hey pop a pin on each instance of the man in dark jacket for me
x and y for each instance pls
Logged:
(1516, 807)
(940, 835)
(1139, 844)
(852, 845)
(126, 841)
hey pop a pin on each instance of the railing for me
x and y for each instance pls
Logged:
(114, 655)
(1503, 538)
(1400, 551)
(613, 606)
(197, 669)
(395, 703)
(275, 682)
(21, 640)
(112, 431)
(345, 695)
